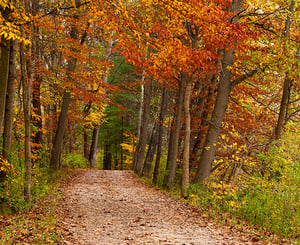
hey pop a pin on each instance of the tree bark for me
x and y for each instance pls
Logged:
(62, 121)
(283, 107)
(187, 139)
(141, 107)
(36, 103)
(176, 134)
(94, 145)
(63, 116)
(287, 81)
(36, 89)
(170, 153)
(163, 111)
(4, 68)
(141, 144)
(122, 126)
(26, 85)
(224, 89)
(60, 131)
(208, 151)
(150, 153)
(86, 152)
(10, 98)
(107, 157)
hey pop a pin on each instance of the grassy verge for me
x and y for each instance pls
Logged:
(35, 223)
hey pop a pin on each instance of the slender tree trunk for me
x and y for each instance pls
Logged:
(70, 139)
(86, 152)
(36, 103)
(26, 79)
(163, 111)
(207, 105)
(10, 98)
(187, 139)
(62, 121)
(122, 125)
(208, 152)
(224, 89)
(150, 153)
(170, 153)
(107, 157)
(141, 107)
(36, 89)
(60, 131)
(94, 145)
(141, 144)
(176, 134)
(4, 68)
(287, 80)
(283, 107)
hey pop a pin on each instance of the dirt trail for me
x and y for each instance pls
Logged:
(113, 207)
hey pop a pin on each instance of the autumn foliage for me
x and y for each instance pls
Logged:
(180, 91)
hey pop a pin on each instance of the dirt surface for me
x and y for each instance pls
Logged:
(113, 207)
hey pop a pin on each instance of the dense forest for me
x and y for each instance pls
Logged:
(197, 97)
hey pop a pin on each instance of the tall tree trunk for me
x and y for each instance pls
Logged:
(63, 116)
(26, 79)
(162, 113)
(107, 157)
(151, 151)
(94, 145)
(121, 139)
(170, 153)
(187, 139)
(224, 89)
(4, 67)
(283, 107)
(10, 98)
(287, 80)
(86, 152)
(60, 131)
(176, 134)
(141, 107)
(141, 144)
(208, 152)
(205, 102)
(36, 89)
(36, 103)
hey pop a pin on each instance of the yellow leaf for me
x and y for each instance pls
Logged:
(74, 3)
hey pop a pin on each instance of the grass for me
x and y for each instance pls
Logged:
(35, 223)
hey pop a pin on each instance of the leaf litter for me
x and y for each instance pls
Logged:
(114, 207)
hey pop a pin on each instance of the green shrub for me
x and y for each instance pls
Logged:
(271, 200)
(75, 161)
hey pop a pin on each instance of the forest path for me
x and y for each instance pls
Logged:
(114, 207)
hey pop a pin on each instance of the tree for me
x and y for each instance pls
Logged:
(287, 80)
(10, 97)
(4, 65)
(225, 86)
(61, 125)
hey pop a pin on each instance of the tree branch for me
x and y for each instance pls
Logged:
(243, 77)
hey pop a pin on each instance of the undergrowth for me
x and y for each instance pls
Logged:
(30, 223)
(267, 201)
(270, 199)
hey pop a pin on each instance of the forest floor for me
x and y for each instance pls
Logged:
(114, 207)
